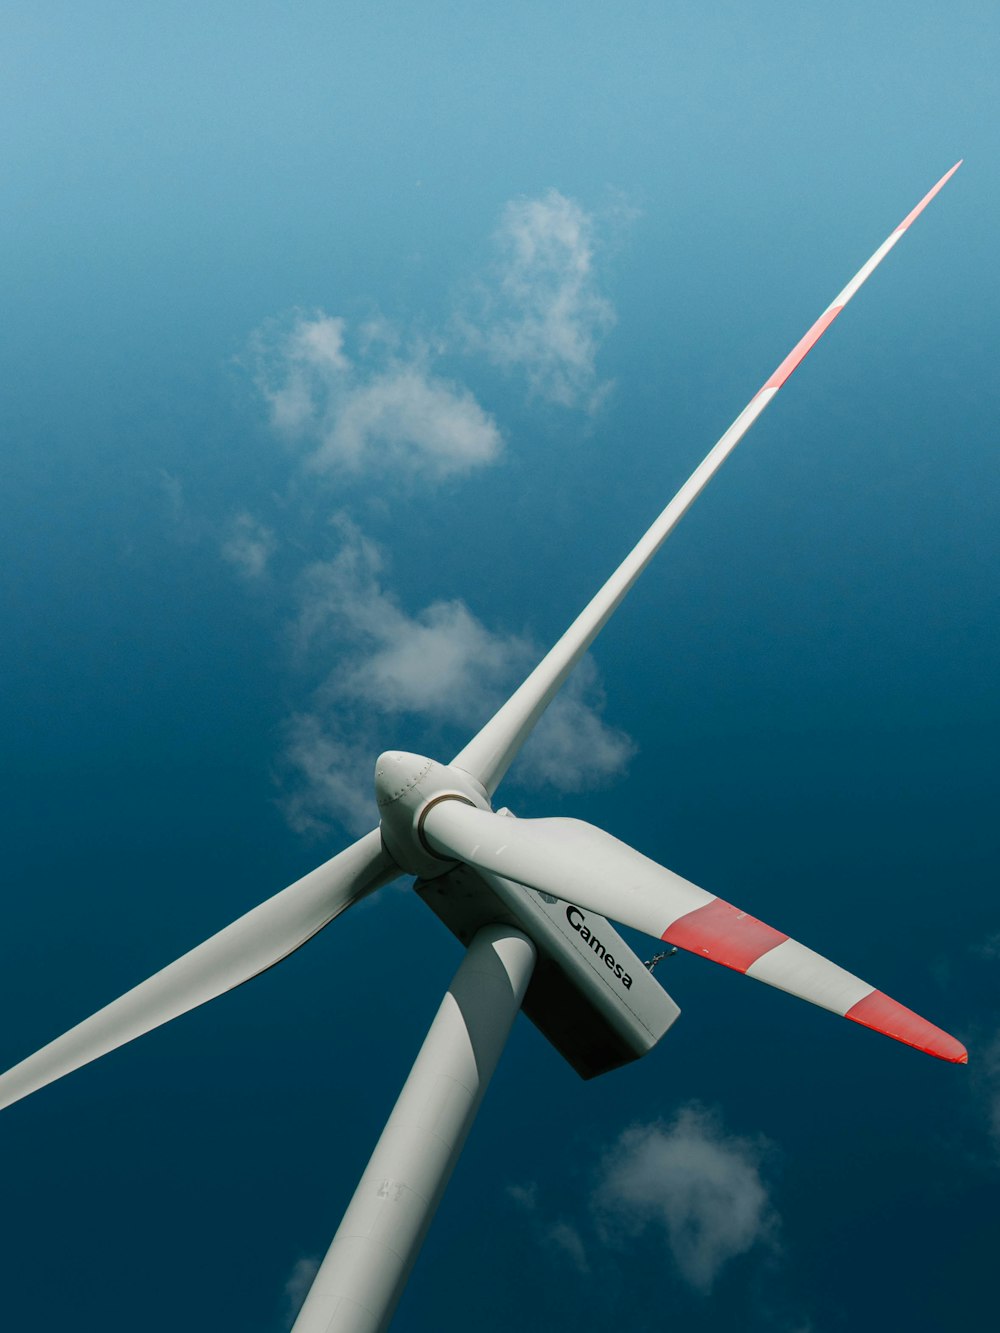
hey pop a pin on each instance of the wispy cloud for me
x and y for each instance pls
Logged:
(560, 1235)
(544, 315)
(370, 399)
(573, 749)
(564, 1237)
(440, 662)
(327, 775)
(244, 542)
(525, 1196)
(697, 1186)
(378, 410)
(248, 545)
(297, 1287)
(687, 1184)
(441, 665)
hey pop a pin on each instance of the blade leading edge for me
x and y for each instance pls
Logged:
(251, 945)
(582, 864)
(493, 749)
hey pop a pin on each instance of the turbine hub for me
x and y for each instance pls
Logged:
(406, 786)
(396, 773)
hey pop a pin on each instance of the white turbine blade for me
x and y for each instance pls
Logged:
(490, 753)
(582, 864)
(241, 951)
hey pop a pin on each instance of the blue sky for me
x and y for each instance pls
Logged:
(344, 354)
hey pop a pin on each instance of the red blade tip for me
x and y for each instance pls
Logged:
(915, 213)
(883, 1015)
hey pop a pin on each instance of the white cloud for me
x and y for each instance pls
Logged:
(331, 774)
(565, 1238)
(185, 526)
(441, 665)
(380, 411)
(525, 1196)
(693, 1183)
(297, 1287)
(572, 747)
(245, 543)
(545, 316)
(296, 366)
(560, 1235)
(370, 400)
(248, 545)
(407, 418)
(441, 662)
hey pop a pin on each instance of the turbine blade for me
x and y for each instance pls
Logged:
(491, 752)
(258, 940)
(582, 864)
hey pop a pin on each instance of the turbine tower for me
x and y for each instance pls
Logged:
(530, 899)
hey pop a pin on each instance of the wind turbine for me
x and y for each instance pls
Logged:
(530, 899)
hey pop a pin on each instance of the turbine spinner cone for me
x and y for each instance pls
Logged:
(406, 786)
(398, 773)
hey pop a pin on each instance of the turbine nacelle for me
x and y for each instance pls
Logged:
(406, 787)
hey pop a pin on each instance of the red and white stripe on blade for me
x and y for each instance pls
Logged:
(805, 344)
(582, 864)
(723, 933)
